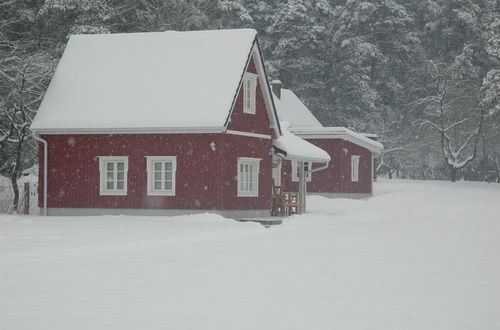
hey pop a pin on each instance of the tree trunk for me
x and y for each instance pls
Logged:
(453, 174)
(15, 187)
(26, 198)
(15, 174)
(497, 170)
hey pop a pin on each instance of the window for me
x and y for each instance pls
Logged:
(354, 168)
(248, 177)
(249, 87)
(161, 175)
(295, 171)
(113, 173)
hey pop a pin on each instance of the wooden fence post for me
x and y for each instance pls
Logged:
(26, 198)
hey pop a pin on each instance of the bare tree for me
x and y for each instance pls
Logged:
(451, 108)
(23, 83)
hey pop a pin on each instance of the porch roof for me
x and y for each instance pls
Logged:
(292, 147)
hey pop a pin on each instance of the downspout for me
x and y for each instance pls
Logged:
(372, 175)
(302, 188)
(324, 167)
(45, 166)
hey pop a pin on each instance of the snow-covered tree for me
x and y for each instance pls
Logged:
(372, 47)
(23, 81)
(451, 109)
(358, 63)
(58, 19)
(297, 53)
(25, 70)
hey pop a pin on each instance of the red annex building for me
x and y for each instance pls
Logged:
(162, 123)
(350, 171)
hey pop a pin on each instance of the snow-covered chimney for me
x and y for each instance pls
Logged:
(276, 87)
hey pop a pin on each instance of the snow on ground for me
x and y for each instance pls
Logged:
(418, 255)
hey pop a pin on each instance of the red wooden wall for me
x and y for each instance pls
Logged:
(337, 177)
(73, 177)
(240, 146)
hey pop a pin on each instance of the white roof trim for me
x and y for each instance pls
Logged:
(339, 133)
(147, 130)
(266, 89)
(249, 134)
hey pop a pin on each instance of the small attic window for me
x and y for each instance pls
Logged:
(249, 88)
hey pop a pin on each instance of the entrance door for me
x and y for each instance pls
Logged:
(277, 171)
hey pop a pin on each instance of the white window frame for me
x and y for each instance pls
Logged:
(103, 164)
(355, 168)
(150, 163)
(249, 92)
(254, 190)
(295, 168)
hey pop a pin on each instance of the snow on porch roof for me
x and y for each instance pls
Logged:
(146, 80)
(290, 146)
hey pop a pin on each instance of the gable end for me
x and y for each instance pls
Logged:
(256, 55)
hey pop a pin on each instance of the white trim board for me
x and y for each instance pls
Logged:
(249, 134)
(341, 134)
(266, 89)
(105, 131)
(131, 130)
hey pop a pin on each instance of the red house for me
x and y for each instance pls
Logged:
(350, 171)
(162, 123)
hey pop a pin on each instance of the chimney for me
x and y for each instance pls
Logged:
(276, 87)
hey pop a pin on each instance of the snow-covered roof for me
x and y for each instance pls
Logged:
(339, 133)
(372, 136)
(304, 124)
(295, 148)
(291, 109)
(178, 80)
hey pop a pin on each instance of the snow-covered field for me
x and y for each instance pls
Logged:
(419, 255)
